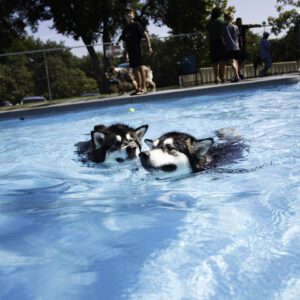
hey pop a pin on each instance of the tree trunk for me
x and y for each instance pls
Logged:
(96, 64)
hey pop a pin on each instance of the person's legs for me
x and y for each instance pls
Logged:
(135, 63)
(233, 63)
(267, 66)
(143, 85)
(216, 72)
(222, 71)
(241, 65)
(235, 68)
(242, 59)
(137, 77)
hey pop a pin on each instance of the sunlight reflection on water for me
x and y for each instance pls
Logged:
(75, 231)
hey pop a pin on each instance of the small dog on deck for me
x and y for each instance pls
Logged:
(116, 143)
(179, 153)
(124, 76)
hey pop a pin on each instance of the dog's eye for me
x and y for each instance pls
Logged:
(115, 145)
(169, 148)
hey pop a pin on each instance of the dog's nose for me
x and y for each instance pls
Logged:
(130, 149)
(144, 155)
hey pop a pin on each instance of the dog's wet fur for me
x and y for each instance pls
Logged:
(179, 153)
(115, 143)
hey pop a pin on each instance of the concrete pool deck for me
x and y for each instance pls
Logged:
(208, 89)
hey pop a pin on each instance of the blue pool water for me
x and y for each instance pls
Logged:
(75, 231)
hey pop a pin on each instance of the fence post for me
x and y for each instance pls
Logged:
(47, 76)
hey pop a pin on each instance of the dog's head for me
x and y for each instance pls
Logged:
(117, 142)
(176, 153)
(111, 73)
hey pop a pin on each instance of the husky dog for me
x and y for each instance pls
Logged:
(117, 142)
(179, 153)
(125, 75)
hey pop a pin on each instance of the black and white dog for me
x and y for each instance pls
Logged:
(179, 153)
(116, 143)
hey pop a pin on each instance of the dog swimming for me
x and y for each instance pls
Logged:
(115, 143)
(178, 153)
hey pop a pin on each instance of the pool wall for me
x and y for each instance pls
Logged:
(256, 83)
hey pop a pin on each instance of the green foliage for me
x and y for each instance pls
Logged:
(67, 82)
(252, 45)
(168, 53)
(16, 81)
(287, 18)
(286, 48)
(25, 75)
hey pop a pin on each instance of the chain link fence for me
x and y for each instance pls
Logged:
(57, 74)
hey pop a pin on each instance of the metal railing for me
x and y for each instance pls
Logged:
(52, 74)
(206, 75)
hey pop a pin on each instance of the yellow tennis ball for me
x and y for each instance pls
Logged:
(131, 109)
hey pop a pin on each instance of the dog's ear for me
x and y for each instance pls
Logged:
(201, 147)
(149, 143)
(101, 128)
(97, 139)
(140, 131)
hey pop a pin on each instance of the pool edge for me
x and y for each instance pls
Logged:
(160, 95)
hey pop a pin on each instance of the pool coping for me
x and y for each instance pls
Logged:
(265, 82)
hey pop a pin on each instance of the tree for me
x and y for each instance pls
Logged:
(14, 85)
(90, 21)
(11, 26)
(186, 19)
(286, 18)
(66, 72)
(288, 47)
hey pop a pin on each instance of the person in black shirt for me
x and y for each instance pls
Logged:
(132, 35)
(216, 45)
(242, 43)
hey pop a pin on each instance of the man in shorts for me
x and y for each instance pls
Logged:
(216, 45)
(132, 35)
(230, 35)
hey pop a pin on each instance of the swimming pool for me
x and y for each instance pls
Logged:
(75, 231)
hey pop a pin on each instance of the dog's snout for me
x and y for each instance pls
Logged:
(130, 149)
(144, 155)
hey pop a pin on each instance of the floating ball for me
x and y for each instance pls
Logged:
(131, 109)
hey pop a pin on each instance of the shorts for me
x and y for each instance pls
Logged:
(232, 54)
(217, 51)
(135, 56)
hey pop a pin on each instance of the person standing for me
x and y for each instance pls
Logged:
(216, 45)
(265, 54)
(132, 35)
(243, 43)
(230, 35)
